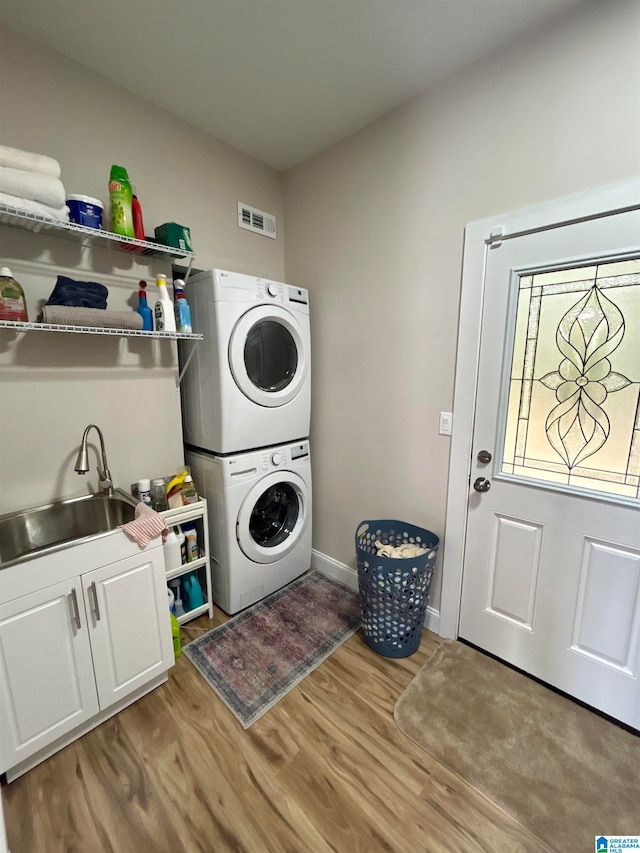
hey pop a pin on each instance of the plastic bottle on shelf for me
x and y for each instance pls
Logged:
(172, 600)
(175, 635)
(163, 316)
(143, 309)
(181, 308)
(192, 590)
(191, 541)
(13, 305)
(173, 550)
(158, 495)
(176, 586)
(120, 196)
(136, 213)
(188, 492)
(144, 491)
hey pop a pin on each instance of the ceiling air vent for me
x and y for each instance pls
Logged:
(256, 220)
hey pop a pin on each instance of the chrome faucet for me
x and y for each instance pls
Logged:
(82, 462)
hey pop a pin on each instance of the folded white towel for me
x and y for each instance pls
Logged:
(15, 158)
(31, 185)
(95, 318)
(27, 205)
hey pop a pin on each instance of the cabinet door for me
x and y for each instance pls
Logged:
(129, 624)
(47, 686)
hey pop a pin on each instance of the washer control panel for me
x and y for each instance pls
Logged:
(281, 457)
(275, 291)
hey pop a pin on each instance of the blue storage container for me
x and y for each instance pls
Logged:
(394, 592)
(84, 210)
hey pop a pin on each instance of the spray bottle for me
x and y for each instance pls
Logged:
(181, 308)
(143, 309)
(164, 318)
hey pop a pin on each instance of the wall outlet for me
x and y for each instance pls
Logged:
(446, 422)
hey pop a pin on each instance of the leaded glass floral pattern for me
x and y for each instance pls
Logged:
(573, 413)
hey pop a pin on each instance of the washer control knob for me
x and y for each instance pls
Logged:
(276, 458)
(272, 289)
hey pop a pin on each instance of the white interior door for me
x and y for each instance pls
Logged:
(551, 578)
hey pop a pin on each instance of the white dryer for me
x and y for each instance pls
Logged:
(259, 505)
(248, 384)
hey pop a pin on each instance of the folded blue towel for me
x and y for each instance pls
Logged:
(78, 294)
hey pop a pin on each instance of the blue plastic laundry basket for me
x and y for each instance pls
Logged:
(394, 592)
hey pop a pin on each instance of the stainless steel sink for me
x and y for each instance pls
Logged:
(40, 530)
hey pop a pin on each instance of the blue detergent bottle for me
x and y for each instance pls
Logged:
(192, 590)
(143, 309)
(181, 308)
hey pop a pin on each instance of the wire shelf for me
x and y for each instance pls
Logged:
(93, 237)
(93, 330)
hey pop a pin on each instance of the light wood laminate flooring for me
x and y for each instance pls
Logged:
(326, 769)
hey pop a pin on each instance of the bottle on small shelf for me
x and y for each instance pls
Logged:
(176, 586)
(13, 305)
(181, 308)
(136, 212)
(163, 316)
(144, 491)
(143, 308)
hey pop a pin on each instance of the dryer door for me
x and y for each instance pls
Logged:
(268, 355)
(273, 516)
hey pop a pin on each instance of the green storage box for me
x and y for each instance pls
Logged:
(174, 235)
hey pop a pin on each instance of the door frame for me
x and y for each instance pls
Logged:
(479, 237)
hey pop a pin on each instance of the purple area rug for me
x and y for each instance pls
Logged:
(255, 658)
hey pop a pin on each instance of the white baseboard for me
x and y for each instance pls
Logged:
(349, 577)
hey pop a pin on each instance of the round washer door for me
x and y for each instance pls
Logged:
(273, 516)
(267, 355)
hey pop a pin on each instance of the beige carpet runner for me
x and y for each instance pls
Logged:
(563, 772)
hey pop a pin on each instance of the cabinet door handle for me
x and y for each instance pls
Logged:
(76, 611)
(96, 606)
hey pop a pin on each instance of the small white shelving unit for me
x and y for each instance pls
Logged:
(181, 515)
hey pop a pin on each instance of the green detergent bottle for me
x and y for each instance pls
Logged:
(120, 195)
(175, 633)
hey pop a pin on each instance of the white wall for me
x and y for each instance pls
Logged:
(375, 230)
(53, 385)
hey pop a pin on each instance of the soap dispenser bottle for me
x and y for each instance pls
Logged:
(143, 309)
(13, 305)
(163, 316)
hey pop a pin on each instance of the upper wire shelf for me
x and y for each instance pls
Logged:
(87, 236)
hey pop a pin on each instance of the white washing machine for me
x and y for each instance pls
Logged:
(248, 384)
(259, 505)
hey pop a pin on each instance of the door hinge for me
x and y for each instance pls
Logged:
(494, 240)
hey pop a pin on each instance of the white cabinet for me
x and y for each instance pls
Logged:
(197, 513)
(47, 685)
(128, 625)
(77, 651)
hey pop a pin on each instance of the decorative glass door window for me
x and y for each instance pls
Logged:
(573, 414)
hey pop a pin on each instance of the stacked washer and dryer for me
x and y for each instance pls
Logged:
(246, 403)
